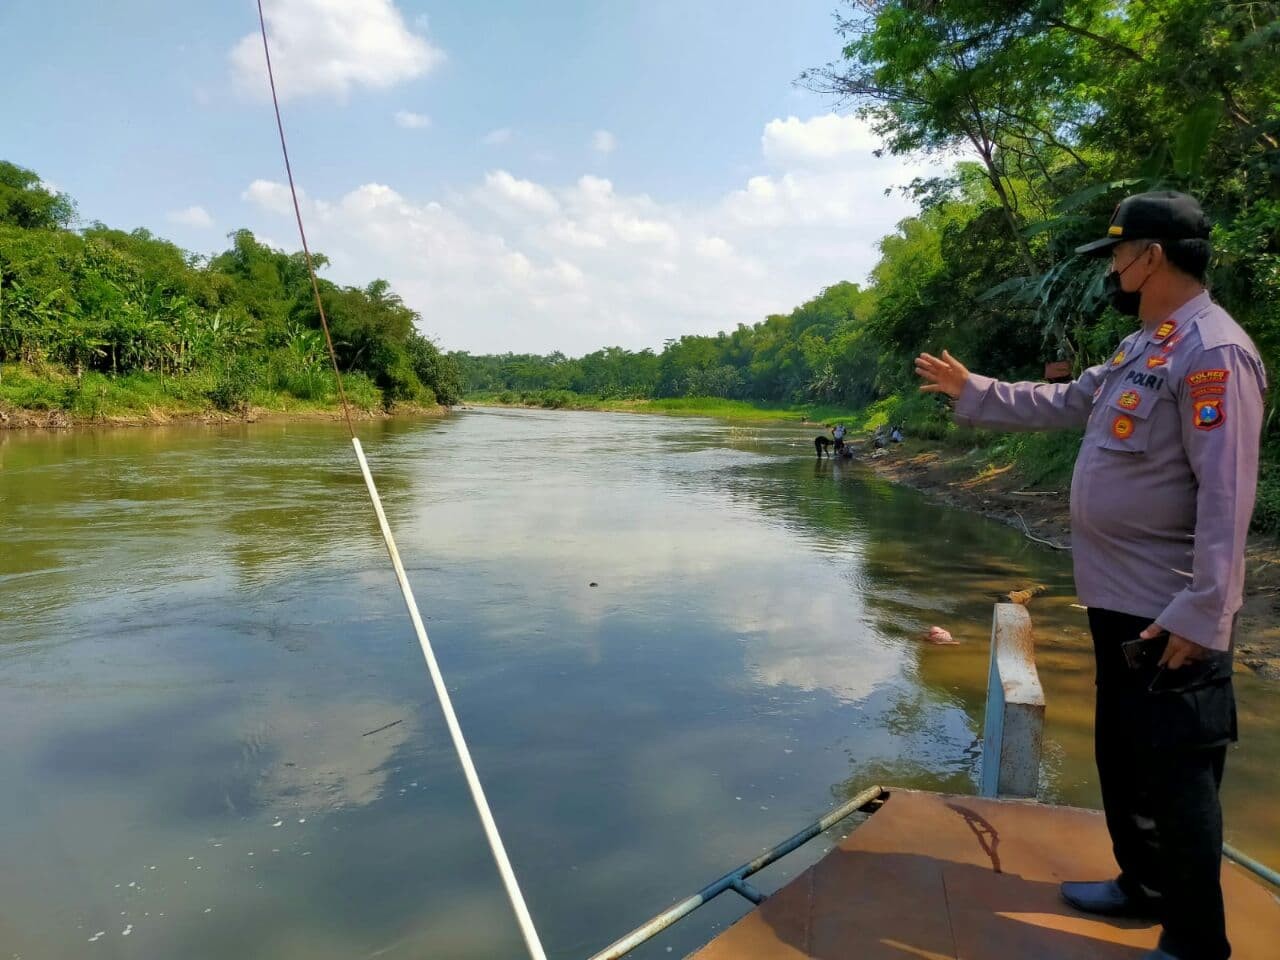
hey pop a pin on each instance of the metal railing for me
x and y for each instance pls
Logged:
(736, 880)
(1253, 866)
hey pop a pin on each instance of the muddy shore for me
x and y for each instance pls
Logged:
(22, 419)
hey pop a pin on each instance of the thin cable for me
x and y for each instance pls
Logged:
(297, 212)
(523, 917)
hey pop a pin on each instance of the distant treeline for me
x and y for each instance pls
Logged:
(102, 301)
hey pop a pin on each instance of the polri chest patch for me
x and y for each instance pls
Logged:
(1140, 379)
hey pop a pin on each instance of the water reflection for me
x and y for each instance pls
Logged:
(206, 670)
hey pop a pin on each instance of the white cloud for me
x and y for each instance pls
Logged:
(822, 138)
(496, 137)
(515, 264)
(716, 247)
(412, 121)
(331, 46)
(505, 192)
(194, 216)
(602, 141)
(272, 196)
(574, 235)
(331, 766)
(839, 197)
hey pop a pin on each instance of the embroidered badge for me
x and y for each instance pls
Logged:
(1165, 329)
(1117, 359)
(1209, 414)
(1170, 344)
(1122, 427)
(1130, 400)
(1208, 378)
(1156, 362)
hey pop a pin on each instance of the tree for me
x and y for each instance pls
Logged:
(978, 75)
(26, 202)
(438, 372)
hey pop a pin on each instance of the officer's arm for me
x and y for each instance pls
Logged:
(985, 402)
(1220, 403)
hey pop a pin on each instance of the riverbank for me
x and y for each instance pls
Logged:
(55, 400)
(968, 480)
(62, 420)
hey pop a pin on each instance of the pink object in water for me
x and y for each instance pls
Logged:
(939, 636)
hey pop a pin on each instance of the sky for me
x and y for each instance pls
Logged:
(529, 176)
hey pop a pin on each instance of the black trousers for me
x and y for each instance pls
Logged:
(1160, 758)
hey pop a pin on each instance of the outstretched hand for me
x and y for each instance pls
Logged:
(946, 375)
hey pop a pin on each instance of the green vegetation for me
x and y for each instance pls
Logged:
(98, 323)
(1057, 109)
(720, 407)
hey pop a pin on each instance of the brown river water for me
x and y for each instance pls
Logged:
(201, 637)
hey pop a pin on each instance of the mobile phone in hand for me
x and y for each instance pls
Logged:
(1144, 653)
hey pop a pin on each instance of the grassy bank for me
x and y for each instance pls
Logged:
(52, 396)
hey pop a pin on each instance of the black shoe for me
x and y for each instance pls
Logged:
(1106, 897)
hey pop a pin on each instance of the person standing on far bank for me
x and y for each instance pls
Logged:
(1161, 498)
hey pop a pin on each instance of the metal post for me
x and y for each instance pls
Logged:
(1014, 728)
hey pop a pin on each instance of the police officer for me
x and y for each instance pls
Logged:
(1161, 498)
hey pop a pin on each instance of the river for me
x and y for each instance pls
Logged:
(670, 642)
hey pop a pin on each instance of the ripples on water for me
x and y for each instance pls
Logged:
(219, 739)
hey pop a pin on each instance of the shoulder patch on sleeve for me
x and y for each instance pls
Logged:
(1208, 413)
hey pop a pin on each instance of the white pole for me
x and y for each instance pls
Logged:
(464, 755)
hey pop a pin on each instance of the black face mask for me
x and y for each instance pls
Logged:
(1123, 301)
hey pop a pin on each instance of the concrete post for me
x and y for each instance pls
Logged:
(1014, 728)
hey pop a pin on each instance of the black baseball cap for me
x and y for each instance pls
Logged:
(1158, 215)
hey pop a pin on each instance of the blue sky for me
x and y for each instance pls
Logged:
(530, 176)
